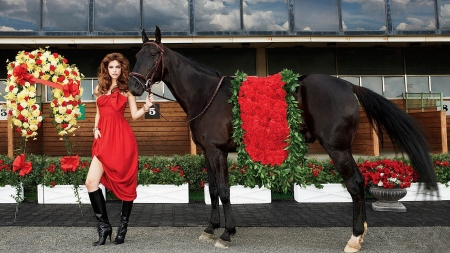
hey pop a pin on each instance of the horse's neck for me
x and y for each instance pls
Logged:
(191, 85)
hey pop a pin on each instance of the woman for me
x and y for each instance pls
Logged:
(114, 151)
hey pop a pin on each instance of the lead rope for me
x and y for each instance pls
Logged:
(204, 110)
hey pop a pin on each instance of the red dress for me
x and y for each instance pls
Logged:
(117, 148)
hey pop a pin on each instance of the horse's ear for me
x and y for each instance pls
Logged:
(157, 35)
(144, 36)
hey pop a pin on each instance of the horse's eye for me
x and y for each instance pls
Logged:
(153, 55)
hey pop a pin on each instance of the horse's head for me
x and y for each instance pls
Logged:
(149, 66)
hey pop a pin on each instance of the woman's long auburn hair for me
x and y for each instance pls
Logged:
(104, 79)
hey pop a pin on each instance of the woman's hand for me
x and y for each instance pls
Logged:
(149, 100)
(97, 133)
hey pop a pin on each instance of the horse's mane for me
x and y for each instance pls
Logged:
(198, 65)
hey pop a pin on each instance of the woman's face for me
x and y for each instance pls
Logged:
(114, 69)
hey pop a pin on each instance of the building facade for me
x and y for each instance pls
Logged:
(393, 47)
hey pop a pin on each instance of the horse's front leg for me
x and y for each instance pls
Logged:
(214, 221)
(217, 160)
(230, 225)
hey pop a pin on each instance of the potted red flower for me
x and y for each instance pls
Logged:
(388, 180)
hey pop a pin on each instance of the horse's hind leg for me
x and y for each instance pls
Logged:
(354, 180)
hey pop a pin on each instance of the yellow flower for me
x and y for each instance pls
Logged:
(59, 119)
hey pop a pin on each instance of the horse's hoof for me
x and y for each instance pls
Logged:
(353, 245)
(222, 244)
(206, 237)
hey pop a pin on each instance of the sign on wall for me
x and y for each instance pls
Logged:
(3, 112)
(153, 113)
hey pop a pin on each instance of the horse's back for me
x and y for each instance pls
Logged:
(330, 109)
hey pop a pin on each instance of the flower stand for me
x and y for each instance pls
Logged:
(64, 194)
(8, 193)
(243, 195)
(329, 193)
(388, 199)
(158, 193)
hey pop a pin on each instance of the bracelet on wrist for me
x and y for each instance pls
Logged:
(94, 129)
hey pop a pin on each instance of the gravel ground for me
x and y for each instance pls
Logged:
(248, 239)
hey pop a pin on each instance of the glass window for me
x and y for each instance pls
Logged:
(225, 60)
(316, 15)
(161, 89)
(417, 84)
(62, 15)
(20, 16)
(394, 86)
(413, 15)
(369, 61)
(217, 15)
(168, 15)
(2, 90)
(302, 61)
(117, 15)
(88, 89)
(441, 84)
(373, 82)
(444, 13)
(263, 15)
(427, 61)
(353, 79)
(363, 15)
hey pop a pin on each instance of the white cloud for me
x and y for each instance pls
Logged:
(6, 29)
(11, 29)
(401, 26)
(263, 20)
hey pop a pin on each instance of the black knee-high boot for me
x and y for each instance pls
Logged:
(124, 218)
(99, 206)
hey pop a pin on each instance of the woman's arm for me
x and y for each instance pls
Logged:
(135, 112)
(96, 130)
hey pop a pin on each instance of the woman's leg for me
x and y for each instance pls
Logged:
(98, 201)
(94, 175)
(124, 218)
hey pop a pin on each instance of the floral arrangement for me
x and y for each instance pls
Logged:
(66, 171)
(442, 167)
(236, 175)
(388, 173)
(42, 66)
(318, 172)
(157, 171)
(71, 172)
(266, 107)
(12, 173)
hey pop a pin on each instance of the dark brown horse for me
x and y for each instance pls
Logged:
(330, 115)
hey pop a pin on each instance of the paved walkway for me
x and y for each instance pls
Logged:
(281, 226)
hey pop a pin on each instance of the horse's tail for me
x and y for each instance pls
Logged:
(403, 130)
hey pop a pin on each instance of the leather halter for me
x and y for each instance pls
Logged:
(148, 79)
